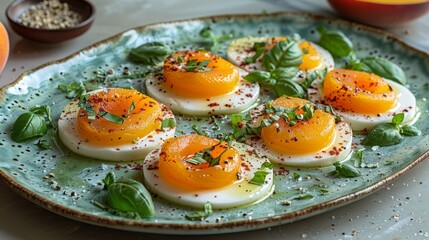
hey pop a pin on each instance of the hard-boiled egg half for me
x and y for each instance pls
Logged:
(315, 140)
(364, 99)
(199, 83)
(176, 172)
(114, 124)
(314, 57)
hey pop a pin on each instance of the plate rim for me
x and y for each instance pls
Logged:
(208, 228)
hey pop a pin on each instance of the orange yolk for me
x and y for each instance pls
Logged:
(218, 77)
(359, 92)
(138, 123)
(306, 136)
(310, 59)
(174, 169)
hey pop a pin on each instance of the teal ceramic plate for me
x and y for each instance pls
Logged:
(65, 183)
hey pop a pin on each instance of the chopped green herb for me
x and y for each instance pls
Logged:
(201, 215)
(303, 197)
(168, 123)
(260, 175)
(111, 117)
(197, 129)
(296, 176)
(195, 66)
(73, 90)
(328, 109)
(324, 191)
(259, 48)
(130, 109)
(44, 144)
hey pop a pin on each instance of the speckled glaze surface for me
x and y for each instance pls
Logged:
(26, 168)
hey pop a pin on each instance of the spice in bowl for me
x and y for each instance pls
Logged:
(50, 14)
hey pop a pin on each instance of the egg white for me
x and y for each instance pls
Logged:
(406, 103)
(239, 49)
(339, 149)
(240, 193)
(242, 98)
(70, 137)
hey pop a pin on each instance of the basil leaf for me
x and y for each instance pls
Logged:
(383, 68)
(44, 111)
(73, 90)
(201, 215)
(346, 170)
(409, 130)
(284, 73)
(289, 88)
(131, 215)
(398, 118)
(258, 76)
(28, 125)
(283, 54)
(111, 117)
(384, 134)
(130, 196)
(338, 44)
(150, 53)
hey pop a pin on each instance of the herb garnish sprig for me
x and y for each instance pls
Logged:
(392, 133)
(281, 63)
(340, 46)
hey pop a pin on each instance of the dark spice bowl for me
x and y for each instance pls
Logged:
(84, 8)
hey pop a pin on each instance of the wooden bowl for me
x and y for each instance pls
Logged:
(84, 8)
(384, 15)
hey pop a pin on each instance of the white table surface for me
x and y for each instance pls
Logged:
(398, 211)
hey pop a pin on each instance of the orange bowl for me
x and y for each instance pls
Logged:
(381, 13)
